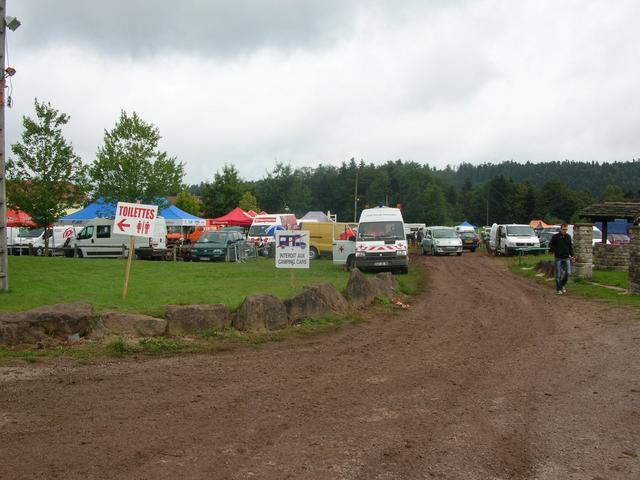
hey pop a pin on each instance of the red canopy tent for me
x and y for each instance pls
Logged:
(252, 213)
(18, 218)
(235, 218)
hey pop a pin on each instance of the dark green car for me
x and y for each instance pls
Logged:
(219, 245)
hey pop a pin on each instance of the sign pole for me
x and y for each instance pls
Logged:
(293, 277)
(132, 246)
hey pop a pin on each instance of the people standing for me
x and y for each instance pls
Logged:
(562, 248)
(419, 238)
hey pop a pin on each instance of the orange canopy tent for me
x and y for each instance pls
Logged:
(537, 224)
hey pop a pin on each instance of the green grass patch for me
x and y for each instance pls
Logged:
(81, 352)
(580, 286)
(119, 348)
(37, 281)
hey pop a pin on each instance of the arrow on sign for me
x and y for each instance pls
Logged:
(121, 225)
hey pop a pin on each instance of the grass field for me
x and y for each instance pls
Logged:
(37, 281)
(583, 287)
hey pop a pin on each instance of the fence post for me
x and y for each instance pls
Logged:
(634, 260)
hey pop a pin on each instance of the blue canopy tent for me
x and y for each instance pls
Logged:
(179, 218)
(101, 209)
(467, 224)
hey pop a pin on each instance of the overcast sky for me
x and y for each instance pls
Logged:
(308, 82)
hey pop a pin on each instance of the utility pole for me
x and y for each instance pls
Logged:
(12, 23)
(4, 261)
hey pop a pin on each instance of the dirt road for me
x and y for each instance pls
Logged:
(487, 376)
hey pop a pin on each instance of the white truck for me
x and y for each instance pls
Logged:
(31, 240)
(98, 240)
(381, 243)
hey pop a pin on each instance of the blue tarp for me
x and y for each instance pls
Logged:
(101, 209)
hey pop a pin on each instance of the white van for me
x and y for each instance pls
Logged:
(596, 238)
(98, 240)
(262, 223)
(381, 243)
(32, 240)
(506, 238)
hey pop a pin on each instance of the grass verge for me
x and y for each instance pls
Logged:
(580, 286)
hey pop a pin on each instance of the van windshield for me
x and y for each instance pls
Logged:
(381, 231)
(520, 231)
(31, 232)
(445, 233)
(258, 230)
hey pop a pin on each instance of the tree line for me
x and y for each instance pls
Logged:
(45, 177)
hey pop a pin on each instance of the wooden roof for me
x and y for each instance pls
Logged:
(612, 210)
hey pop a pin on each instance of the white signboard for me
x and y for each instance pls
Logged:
(135, 219)
(292, 249)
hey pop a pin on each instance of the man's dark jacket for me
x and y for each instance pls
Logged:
(561, 245)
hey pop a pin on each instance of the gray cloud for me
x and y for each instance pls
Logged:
(320, 81)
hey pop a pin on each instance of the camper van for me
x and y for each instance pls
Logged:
(381, 243)
(322, 236)
(262, 223)
(505, 239)
(98, 240)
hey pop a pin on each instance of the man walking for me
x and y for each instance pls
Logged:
(562, 248)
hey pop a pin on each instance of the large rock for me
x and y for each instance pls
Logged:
(261, 312)
(316, 300)
(117, 323)
(190, 319)
(362, 290)
(59, 320)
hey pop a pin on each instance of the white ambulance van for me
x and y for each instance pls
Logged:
(258, 232)
(381, 243)
(98, 240)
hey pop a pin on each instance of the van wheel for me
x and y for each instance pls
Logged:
(313, 253)
(459, 254)
(78, 253)
(403, 270)
(39, 252)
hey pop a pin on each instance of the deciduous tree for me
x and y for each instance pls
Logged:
(130, 167)
(46, 177)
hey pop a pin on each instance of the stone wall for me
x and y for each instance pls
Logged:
(634, 261)
(611, 257)
(583, 249)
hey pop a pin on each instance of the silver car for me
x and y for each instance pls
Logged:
(441, 241)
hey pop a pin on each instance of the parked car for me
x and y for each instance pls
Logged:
(618, 238)
(470, 241)
(441, 241)
(220, 245)
(545, 238)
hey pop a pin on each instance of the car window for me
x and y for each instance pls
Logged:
(86, 232)
(103, 231)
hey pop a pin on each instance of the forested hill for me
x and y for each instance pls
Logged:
(592, 177)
